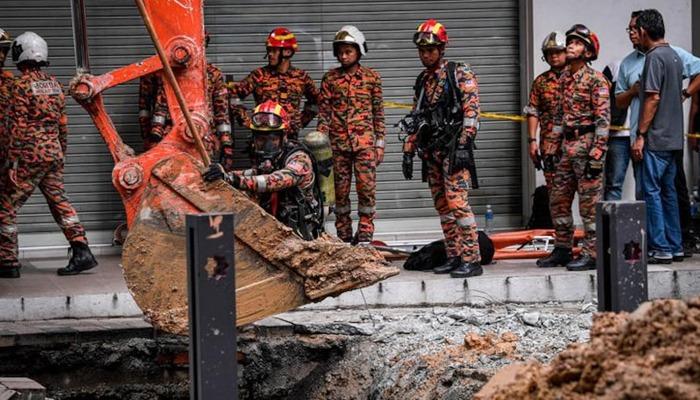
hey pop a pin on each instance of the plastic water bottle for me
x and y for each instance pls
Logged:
(489, 219)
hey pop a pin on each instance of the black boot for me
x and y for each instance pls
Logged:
(446, 268)
(558, 258)
(9, 271)
(467, 269)
(81, 260)
(584, 262)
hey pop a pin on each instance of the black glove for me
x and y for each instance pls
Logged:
(407, 166)
(234, 180)
(214, 172)
(463, 159)
(594, 168)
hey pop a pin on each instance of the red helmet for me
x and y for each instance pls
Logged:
(430, 33)
(590, 39)
(282, 37)
(269, 116)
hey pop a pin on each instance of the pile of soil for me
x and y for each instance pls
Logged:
(652, 353)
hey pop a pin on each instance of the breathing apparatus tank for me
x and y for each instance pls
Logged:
(320, 147)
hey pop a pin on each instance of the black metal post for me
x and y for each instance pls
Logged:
(80, 40)
(212, 307)
(622, 257)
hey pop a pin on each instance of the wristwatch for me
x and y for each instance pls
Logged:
(685, 93)
(532, 139)
(642, 134)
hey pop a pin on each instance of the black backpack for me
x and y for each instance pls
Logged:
(434, 254)
(540, 218)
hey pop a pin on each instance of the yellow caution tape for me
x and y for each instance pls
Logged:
(512, 117)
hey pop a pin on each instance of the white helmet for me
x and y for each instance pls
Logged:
(30, 47)
(350, 35)
(5, 40)
(554, 41)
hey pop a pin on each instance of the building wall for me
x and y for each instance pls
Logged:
(608, 20)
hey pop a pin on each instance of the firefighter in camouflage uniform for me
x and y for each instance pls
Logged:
(6, 79)
(352, 115)
(279, 81)
(148, 90)
(443, 128)
(36, 125)
(220, 143)
(586, 122)
(544, 106)
(284, 178)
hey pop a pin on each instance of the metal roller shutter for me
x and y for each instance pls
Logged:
(482, 33)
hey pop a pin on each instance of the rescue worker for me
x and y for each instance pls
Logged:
(6, 79)
(586, 121)
(279, 81)
(37, 129)
(148, 90)
(545, 101)
(284, 178)
(352, 115)
(443, 129)
(220, 144)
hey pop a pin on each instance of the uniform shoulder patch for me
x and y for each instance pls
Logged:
(46, 88)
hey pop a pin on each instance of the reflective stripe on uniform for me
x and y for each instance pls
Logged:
(72, 220)
(470, 122)
(8, 228)
(364, 210)
(261, 183)
(380, 143)
(532, 111)
(563, 221)
(590, 227)
(447, 218)
(466, 222)
(224, 128)
(144, 113)
(342, 209)
(248, 172)
(601, 131)
(235, 100)
(158, 119)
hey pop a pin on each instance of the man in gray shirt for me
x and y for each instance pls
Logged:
(659, 134)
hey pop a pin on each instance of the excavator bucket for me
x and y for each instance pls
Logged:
(276, 270)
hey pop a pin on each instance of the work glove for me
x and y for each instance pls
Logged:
(463, 160)
(594, 168)
(214, 172)
(407, 166)
(227, 157)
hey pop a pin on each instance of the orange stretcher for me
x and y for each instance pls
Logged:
(504, 244)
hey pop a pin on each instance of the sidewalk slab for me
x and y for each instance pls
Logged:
(102, 293)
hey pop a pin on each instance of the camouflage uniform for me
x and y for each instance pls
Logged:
(291, 187)
(6, 79)
(450, 191)
(148, 90)
(221, 143)
(37, 128)
(352, 114)
(287, 89)
(586, 121)
(545, 104)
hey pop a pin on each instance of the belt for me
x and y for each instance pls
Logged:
(575, 132)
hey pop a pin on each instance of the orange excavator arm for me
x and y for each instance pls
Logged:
(275, 269)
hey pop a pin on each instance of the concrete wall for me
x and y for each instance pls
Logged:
(609, 20)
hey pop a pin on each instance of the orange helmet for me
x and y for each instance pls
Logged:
(269, 116)
(282, 37)
(590, 39)
(430, 33)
